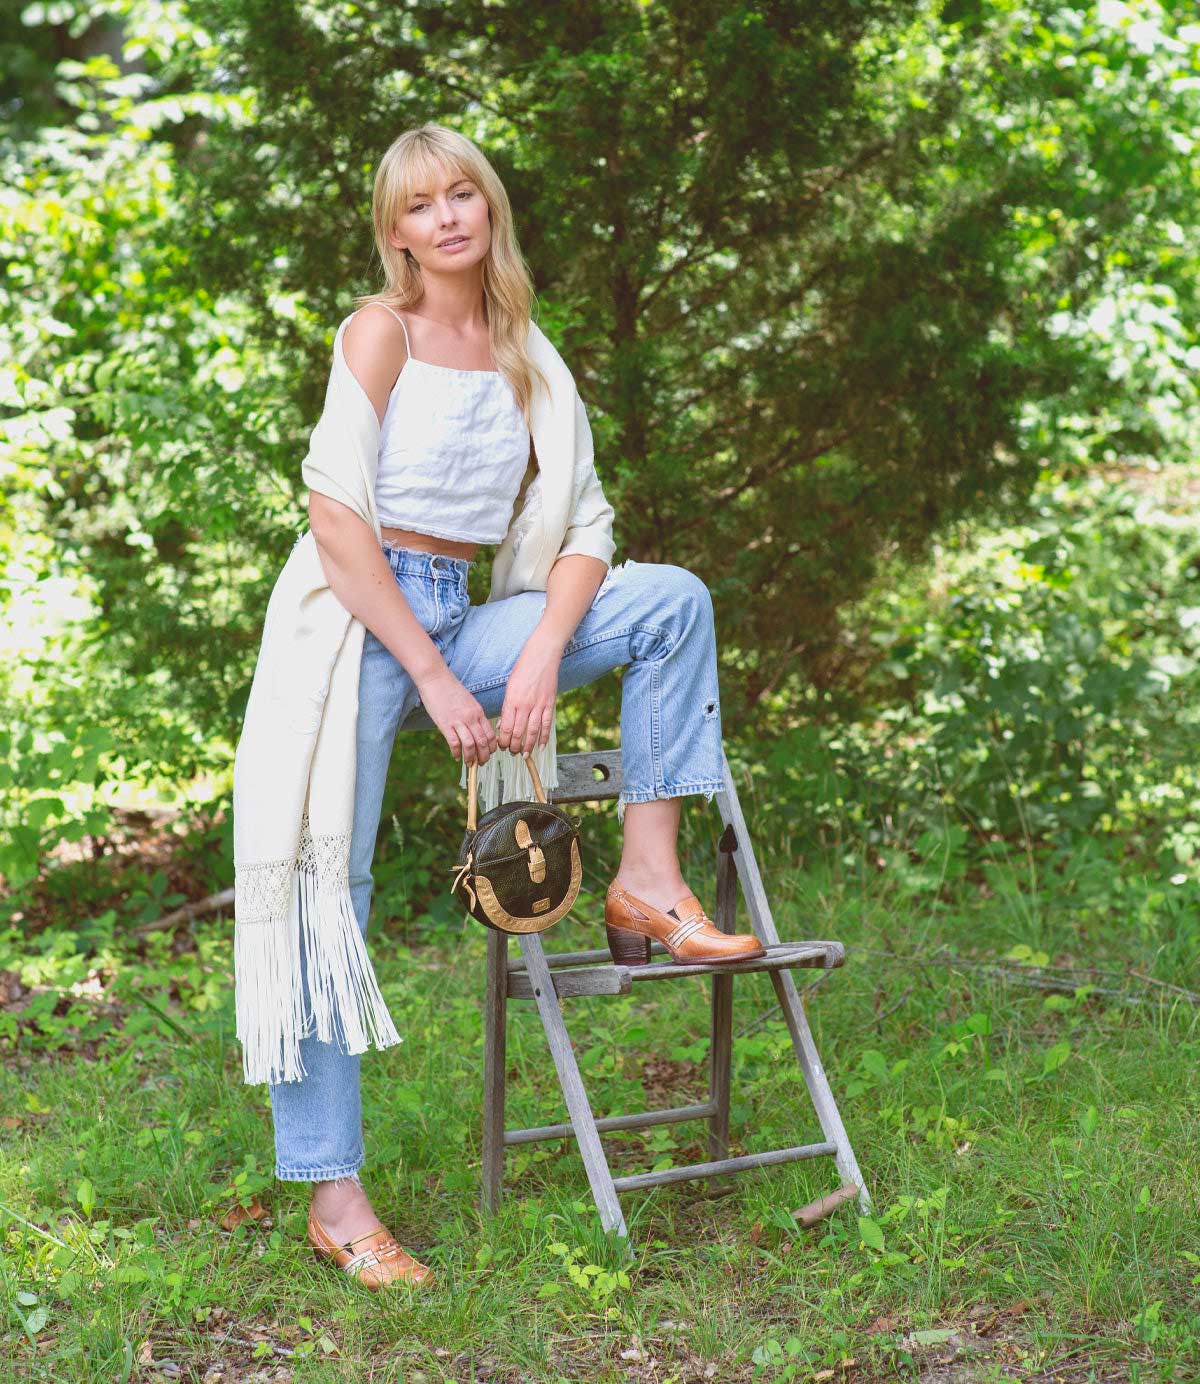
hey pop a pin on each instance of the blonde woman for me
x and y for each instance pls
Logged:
(441, 353)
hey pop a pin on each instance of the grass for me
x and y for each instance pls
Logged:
(1031, 1153)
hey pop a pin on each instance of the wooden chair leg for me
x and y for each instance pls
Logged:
(583, 1121)
(755, 895)
(494, 1070)
(720, 1052)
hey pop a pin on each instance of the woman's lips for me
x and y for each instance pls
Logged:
(455, 244)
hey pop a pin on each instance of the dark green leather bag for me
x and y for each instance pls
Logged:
(519, 867)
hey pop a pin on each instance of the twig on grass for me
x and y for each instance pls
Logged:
(891, 1009)
(186, 913)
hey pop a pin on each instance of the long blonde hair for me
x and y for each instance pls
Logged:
(412, 161)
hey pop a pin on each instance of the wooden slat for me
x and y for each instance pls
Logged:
(643, 1119)
(588, 980)
(816, 953)
(686, 1171)
(781, 956)
(578, 779)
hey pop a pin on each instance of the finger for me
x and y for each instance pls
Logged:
(470, 749)
(547, 721)
(482, 743)
(455, 744)
(520, 718)
(485, 735)
(533, 731)
(504, 731)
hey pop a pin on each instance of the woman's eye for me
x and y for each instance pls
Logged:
(421, 205)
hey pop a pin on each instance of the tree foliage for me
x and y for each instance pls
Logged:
(831, 277)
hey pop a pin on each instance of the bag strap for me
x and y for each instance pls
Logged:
(473, 783)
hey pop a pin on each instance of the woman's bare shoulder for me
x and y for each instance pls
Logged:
(375, 348)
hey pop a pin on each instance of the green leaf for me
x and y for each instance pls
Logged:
(934, 1336)
(870, 1233)
(1055, 1058)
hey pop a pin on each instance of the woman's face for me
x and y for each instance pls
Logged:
(454, 211)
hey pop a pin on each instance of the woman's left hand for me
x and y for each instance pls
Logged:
(528, 710)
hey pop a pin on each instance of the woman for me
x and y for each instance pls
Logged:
(461, 386)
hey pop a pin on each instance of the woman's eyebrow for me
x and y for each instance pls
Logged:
(455, 183)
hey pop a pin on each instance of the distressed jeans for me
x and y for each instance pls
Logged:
(654, 617)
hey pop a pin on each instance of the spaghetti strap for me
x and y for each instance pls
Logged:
(407, 344)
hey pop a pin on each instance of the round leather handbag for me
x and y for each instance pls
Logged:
(519, 868)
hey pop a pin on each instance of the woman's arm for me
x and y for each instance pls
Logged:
(358, 572)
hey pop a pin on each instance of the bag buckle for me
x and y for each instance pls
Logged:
(537, 859)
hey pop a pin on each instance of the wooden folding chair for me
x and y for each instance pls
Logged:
(551, 978)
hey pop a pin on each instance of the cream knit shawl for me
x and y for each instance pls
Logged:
(294, 770)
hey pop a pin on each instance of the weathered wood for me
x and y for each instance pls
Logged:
(720, 1047)
(779, 956)
(590, 1148)
(769, 1158)
(825, 1206)
(588, 980)
(643, 1119)
(548, 978)
(495, 1032)
(785, 988)
(571, 958)
(808, 954)
(588, 777)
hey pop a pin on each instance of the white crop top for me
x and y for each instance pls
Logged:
(453, 447)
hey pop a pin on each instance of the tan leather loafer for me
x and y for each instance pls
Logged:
(374, 1259)
(688, 933)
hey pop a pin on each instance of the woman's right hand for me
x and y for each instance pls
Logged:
(460, 718)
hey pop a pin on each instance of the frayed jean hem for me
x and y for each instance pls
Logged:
(318, 1174)
(668, 790)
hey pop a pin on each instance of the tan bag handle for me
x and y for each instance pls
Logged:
(473, 781)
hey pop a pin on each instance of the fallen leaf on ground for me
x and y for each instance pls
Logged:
(239, 1213)
(881, 1324)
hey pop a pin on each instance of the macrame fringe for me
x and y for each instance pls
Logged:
(266, 964)
(505, 777)
(312, 916)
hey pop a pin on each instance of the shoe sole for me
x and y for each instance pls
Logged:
(629, 948)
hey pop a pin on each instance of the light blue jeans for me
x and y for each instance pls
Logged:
(653, 616)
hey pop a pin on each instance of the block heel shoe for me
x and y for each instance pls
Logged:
(687, 932)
